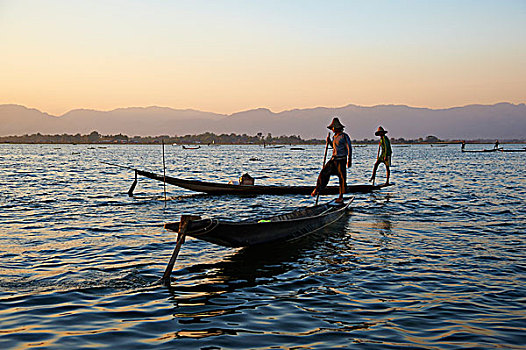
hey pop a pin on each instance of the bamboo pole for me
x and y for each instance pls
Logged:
(181, 235)
(324, 159)
(377, 157)
(164, 175)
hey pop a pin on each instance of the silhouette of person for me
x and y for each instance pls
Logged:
(384, 154)
(341, 156)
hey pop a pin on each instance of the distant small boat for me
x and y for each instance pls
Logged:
(297, 148)
(512, 150)
(279, 146)
(481, 150)
(189, 147)
(478, 150)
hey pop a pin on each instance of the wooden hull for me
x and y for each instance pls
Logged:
(274, 229)
(512, 150)
(495, 150)
(219, 188)
(481, 151)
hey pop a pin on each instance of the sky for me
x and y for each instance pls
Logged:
(229, 56)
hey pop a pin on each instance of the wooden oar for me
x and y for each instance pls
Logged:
(164, 176)
(181, 235)
(377, 156)
(132, 187)
(324, 159)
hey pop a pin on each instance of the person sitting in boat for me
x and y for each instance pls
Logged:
(341, 157)
(496, 145)
(384, 154)
(245, 179)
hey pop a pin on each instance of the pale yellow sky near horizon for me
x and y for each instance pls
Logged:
(229, 56)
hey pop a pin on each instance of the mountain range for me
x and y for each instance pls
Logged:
(497, 121)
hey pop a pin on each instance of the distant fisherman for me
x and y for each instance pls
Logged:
(384, 154)
(341, 157)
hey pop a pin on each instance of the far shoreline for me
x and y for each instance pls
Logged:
(94, 138)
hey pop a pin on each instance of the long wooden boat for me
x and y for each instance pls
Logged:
(512, 150)
(293, 225)
(191, 147)
(223, 188)
(481, 150)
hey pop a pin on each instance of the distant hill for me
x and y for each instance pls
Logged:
(502, 121)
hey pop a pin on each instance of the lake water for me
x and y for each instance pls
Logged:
(435, 262)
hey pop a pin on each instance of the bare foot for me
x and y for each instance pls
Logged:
(339, 200)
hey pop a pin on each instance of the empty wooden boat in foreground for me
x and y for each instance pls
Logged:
(279, 228)
(253, 232)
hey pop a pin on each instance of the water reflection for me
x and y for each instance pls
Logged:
(383, 225)
(203, 333)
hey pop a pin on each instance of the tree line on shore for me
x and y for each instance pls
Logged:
(204, 138)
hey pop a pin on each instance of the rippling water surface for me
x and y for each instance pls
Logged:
(436, 261)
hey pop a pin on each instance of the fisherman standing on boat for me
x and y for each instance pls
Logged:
(341, 157)
(384, 154)
(496, 145)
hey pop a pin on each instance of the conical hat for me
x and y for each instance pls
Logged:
(336, 124)
(380, 131)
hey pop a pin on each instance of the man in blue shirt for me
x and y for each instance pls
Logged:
(341, 158)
